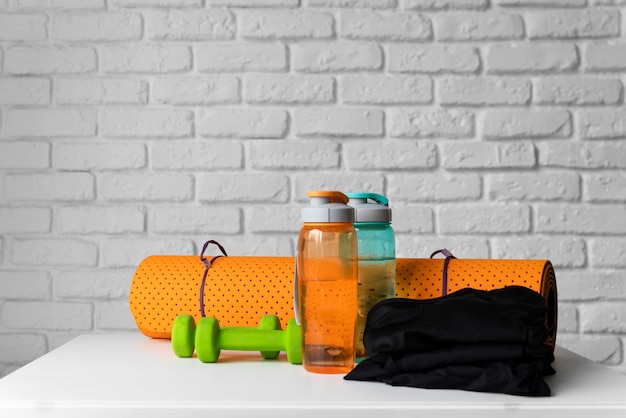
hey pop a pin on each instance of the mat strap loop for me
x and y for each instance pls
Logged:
(207, 266)
(444, 281)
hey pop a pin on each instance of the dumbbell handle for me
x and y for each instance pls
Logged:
(250, 339)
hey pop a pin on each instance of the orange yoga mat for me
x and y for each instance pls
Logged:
(240, 290)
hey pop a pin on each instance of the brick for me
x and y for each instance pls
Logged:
(600, 349)
(425, 187)
(484, 219)
(563, 252)
(243, 187)
(385, 26)
(335, 180)
(446, 4)
(190, 25)
(603, 57)
(202, 156)
(257, 245)
(99, 220)
(23, 27)
(541, 3)
(289, 89)
(581, 285)
(110, 26)
(483, 91)
(130, 251)
(527, 123)
(608, 252)
(578, 91)
(24, 91)
(544, 186)
(338, 122)
(605, 187)
(422, 246)
(150, 187)
(195, 220)
(345, 56)
(237, 57)
(92, 284)
(44, 59)
(577, 154)
(605, 317)
(260, 219)
(285, 24)
(206, 90)
(602, 123)
(54, 316)
(408, 58)
(609, 2)
(50, 122)
(113, 315)
(567, 319)
(242, 123)
(471, 155)
(411, 219)
(145, 59)
(24, 284)
(98, 156)
(54, 186)
(353, 3)
(385, 89)
(389, 155)
(155, 3)
(24, 155)
(255, 3)
(21, 348)
(147, 123)
(478, 26)
(430, 123)
(532, 58)
(100, 91)
(581, 219)
(55, 252)
(572, 24)
(58, 4)
(21, 220)
(297, 154)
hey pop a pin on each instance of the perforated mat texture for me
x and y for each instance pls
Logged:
(240, 290)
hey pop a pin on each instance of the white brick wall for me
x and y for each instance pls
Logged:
(136, 127)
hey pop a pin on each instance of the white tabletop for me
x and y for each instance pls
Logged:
(119, 375)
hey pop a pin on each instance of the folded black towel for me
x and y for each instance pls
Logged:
(486, 341)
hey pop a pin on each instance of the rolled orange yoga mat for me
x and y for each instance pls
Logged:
(239, 290)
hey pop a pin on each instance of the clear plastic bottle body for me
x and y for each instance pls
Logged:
(377, 271)
(327, 289)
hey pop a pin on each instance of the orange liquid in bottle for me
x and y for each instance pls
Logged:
(328, 297)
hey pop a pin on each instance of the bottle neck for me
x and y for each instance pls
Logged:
(326, 224)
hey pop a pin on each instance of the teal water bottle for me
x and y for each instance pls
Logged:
(376, 256)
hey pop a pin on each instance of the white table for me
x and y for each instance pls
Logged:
(124, 375)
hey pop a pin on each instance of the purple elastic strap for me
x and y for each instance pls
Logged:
(207, 265)
(444, 279)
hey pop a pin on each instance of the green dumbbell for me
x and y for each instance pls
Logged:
(209, 339)
(184, 335)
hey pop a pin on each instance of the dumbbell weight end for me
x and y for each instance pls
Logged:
(183, 335)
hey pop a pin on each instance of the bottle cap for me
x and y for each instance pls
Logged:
(327, 206)
(370, 207)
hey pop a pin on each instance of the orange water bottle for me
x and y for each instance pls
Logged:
(327, 268)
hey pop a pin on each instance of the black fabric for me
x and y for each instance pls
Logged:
(486, 341)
